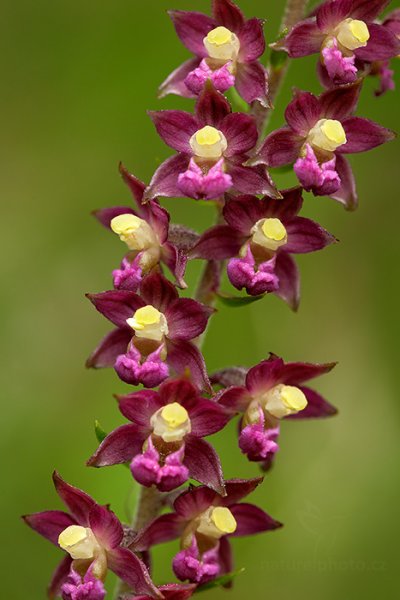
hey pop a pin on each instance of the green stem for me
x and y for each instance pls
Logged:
(148, 506)
(294, 12)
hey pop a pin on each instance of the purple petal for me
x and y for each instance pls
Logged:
(203, 463)
(194, 501)
(218, 243)
(158, 218)
(316, 408)
(229, 15)
(241, 133)
(165, 180)
(176, 261)
(148, 401)
(136, 186)
(192, 28)
(363, 134)
(206, 416)
(187, 318)
(383, 44)
(340, 102)
(305, 235)
(116, 305)
(175, 127)
(106, 215)
(132, 571)
(250, 520)
(178, 390)
(252, 180)
(114, 344)
(296, 373)
(120, 446)
(347, 193)
(236, 399)
(211, 107)
(242, 213)
(185, 358)
(225, 556)
(367, 10)
(304, 39)
(281, 147)
(303, 112)
(289, 280)
(285, 208)
(158, 291)
(49, 524)
(251, 82)
(263, 376)
(106, 527)
(252, 41)
(175, 82)
(163, 529)
(237, 489)
(330, 14)
(58, 578)
(392, 21)
(78, 502)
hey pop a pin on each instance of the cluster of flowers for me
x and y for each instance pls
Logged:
(155, 339)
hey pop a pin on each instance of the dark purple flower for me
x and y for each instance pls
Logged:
(227, 49)
(163, 443)
(212, 147)
(204, 521)
(319, 133)
(145, 230)
(92, 536)
(346, 36)
(153, 335)
(259, 238)
(171, 591)
(273, 390)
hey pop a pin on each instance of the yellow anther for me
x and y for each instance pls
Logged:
(148, 315)
(334, 131)
(222, 44)
(283, 400)
(327, 134)
(208, 142)
(174, 415)
(135, 232)
(353, 34)
(208, 136)
(360, 31)
(219, 36)
(274, 229)
(78, 541)
(269, 233)
(293, 398)
(149, 323)
(224, 520)
(126, 224)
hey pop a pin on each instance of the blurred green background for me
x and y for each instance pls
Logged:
(77, 79)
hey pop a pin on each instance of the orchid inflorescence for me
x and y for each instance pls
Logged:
(222, 157)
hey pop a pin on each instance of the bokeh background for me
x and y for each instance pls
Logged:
(77, 79)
